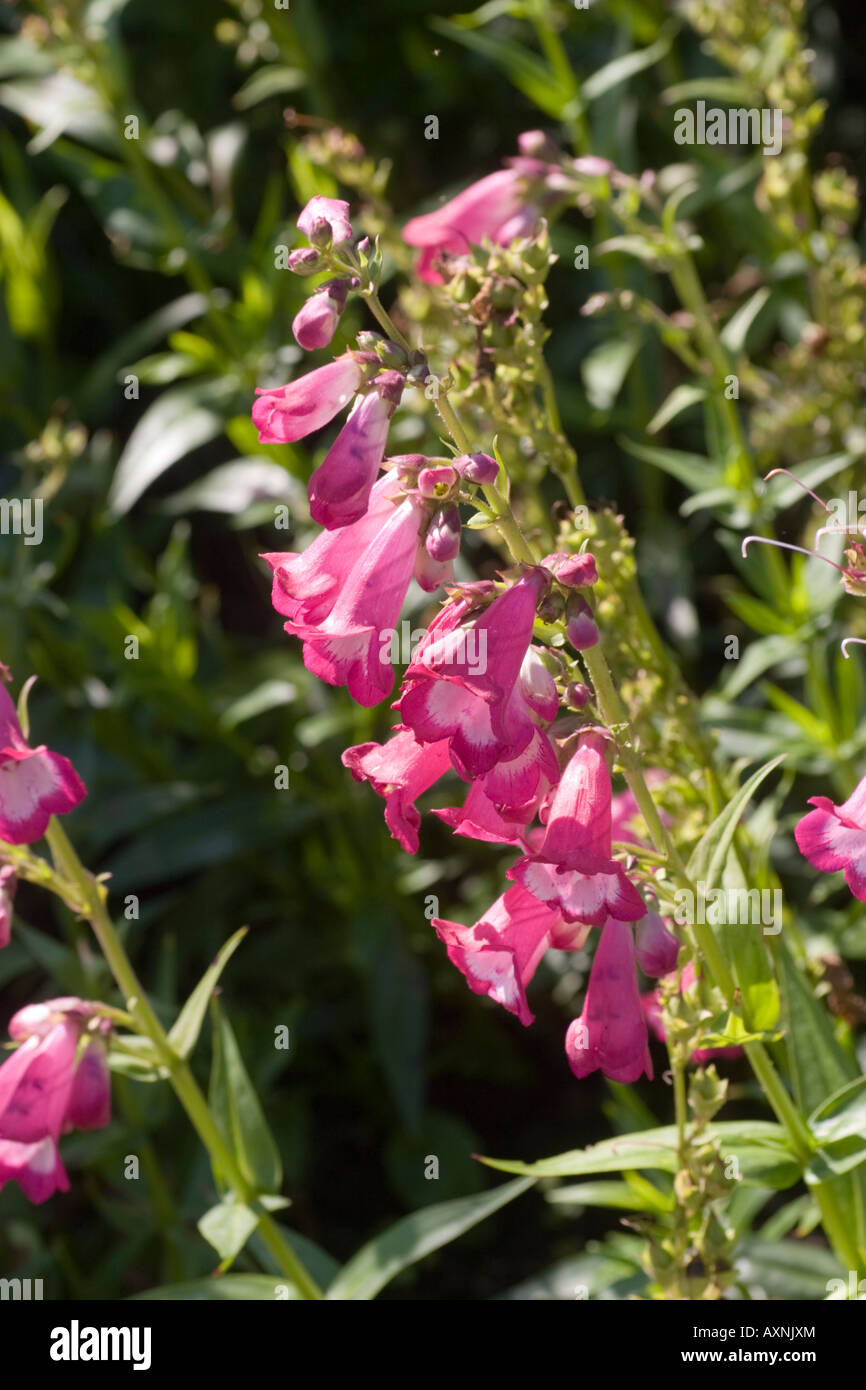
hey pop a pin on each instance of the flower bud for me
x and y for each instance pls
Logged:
(436, 482)
(656, 948)
(581, 628)
(316, 321)
(577, 694)
(574, 571)
(305, 261)
(443, 537)
(477, 468)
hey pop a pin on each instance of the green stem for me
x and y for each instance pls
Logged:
(90, 896)
(380, 313)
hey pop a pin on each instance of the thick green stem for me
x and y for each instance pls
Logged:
(89, 897)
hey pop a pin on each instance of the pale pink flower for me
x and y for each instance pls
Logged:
(340, 487)
(494, 207)
(326, 221)
(283, 414)
(833, 838)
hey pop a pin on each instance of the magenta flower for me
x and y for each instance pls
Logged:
(400, 771)
(499, 954)
(35, 784)
(340, 487)
(462, 682)
(478, 818)
(656, 947)
(8, 884)
(286, 413)
(494, 207)
(345, 648)
(326, 221)
(834, 837)
(45, 1091)
(573, 867)
(315, 323)
(611, 1033)
(307, 584)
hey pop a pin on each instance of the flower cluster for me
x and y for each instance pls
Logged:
(55, 1081)
(478, 698)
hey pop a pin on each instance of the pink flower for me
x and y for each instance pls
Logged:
(834, 837)
(340, 487)
(46, 1089)
(611, 1033)
(315, 323)
(499, 954)
(573, 867)
(35, 784)
(307, 584)
(464, 685)
(494, 207)
(346, 647)
(400, 771)
(326, 221)
(656, 947)
(286, 413)
(8, 884)
(478, 818)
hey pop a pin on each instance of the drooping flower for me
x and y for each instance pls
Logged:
(655, 946)
(307, 583)
(46, 1088)
(283, 414)
(340, 487)
(35, 784)
(325, 221)
(8, 885)
(315, 323)
(611, 1033)
(499, 954)
(478, 818)
(833, 837)
(463, 683)
(345, 648)
(573, 868)
(399, 771)
(495, 207)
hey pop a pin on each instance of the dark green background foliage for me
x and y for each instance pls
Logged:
(392, 1058)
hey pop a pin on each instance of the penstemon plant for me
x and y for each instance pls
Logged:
(539, 703)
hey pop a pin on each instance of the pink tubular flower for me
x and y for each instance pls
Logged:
(834, 837)
(463, 683)
(478, 818)
(573, 867)
(35, 784)
(499, 954)
(286, 413)
(400, 771)
(8, 884)
(326, 220)
(340, 487)
(44, 1092)
(315, 323)
(346, 647)
(656, 947)
(494, 207)
(611, 1033)
(307, 584)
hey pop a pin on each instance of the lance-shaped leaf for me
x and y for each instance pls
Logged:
(238, 1112)
(187, 1026)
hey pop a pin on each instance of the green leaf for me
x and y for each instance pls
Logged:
(759, 1146)
(606, 1194)
(270, 81)
(236, 1287)
(709, 855)
(187, 1026)
(735, 333)
(613, 74)
(227, 1227)
(680, 399)
(694, 471)
(724, 89)
(528, 73)
(404, 1244)
(180, 420)
(606, 367)
(238, 1112)
(842, 1114)
(786, 1269)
